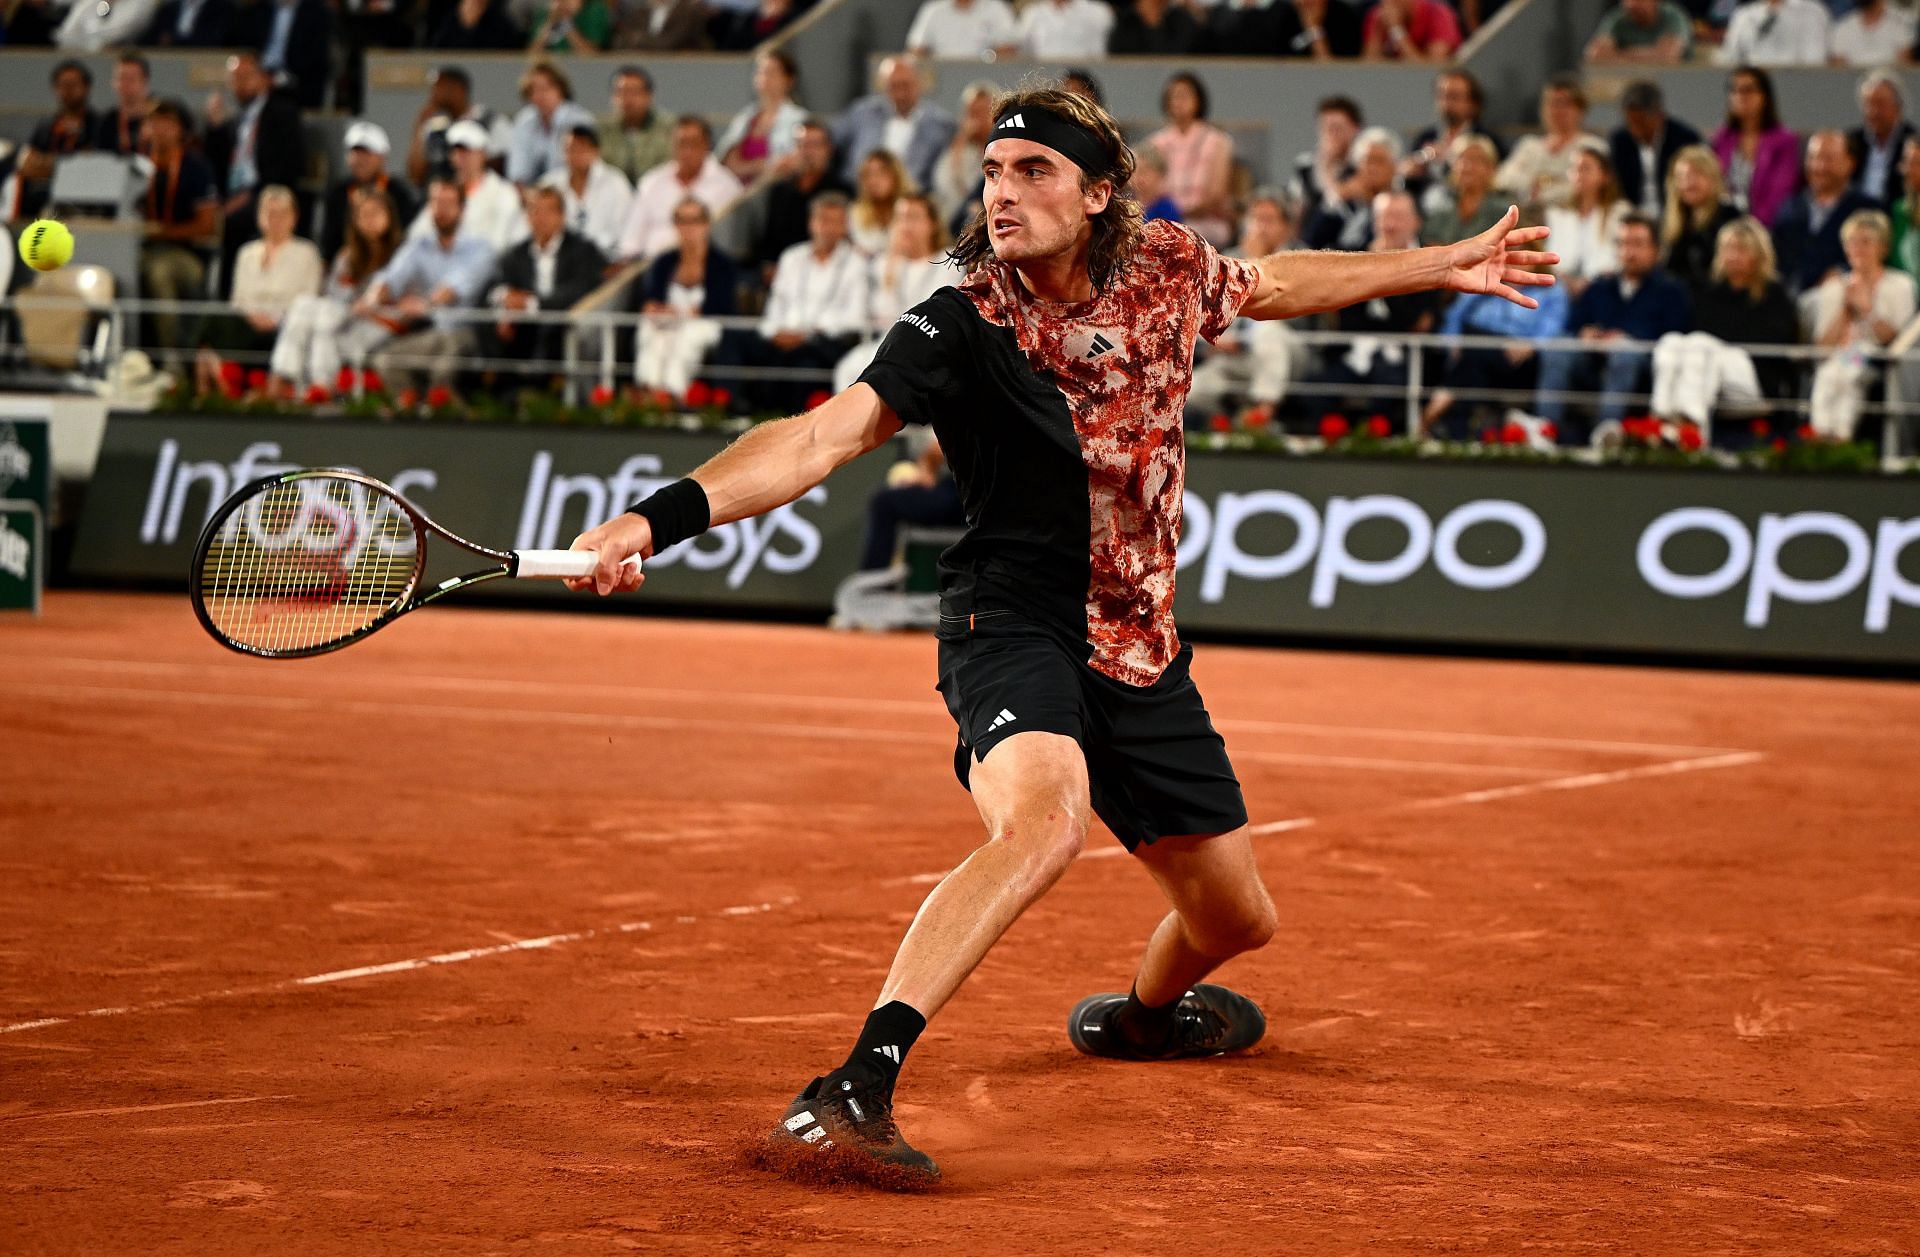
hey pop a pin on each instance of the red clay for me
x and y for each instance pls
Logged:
(1635, 1011)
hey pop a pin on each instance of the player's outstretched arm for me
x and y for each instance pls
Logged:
(1496, 261)
(768, 467)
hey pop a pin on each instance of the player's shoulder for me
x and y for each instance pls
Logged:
(943, 318)
(1164, 241)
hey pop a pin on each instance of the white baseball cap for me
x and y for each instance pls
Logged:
(368, 135)
(467, 134)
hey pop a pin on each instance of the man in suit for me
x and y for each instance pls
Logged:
(192, 24)
(1643, 146)
(294, 39)
(551, 270)
(897, 118)
(1877, 142)
(260, 143)
(1806, 233)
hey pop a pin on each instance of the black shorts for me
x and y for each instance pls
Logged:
(1156, 766)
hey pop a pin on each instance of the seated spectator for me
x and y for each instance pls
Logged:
(1874, 34)
(789, 201)
(118, 129)
(571, 26)
(552, 270)
(1411, 30)
(1065, 30)
(1471, 208)
(1371, 362)
(70, 130)
(1255, 360)
(1761, 158)
(662, 26)
(970, 30)
(1457, 105)
(1643, 146)
(908, 271)
(598, 198)
(190, 24)
(270, 273)
(1583, 230)
(957, 184)
(1710, 18)
(1513, 367)
(1776, 33)
(263, 143)
(1317, 175)
(1642, 32)
(922, 492)
(1697, 209)
(1149, 186)
(1876, 143)
(899, 119)
(1806, 235)
(1318, 29)
(636, 137)
(1639, 303)
(815, 311)
(540, 128)
(762, 135)
(1199, 159)
(477, 25)
(295, 40)
(1742, 304)
(1535, 173)
(182, 213)
(1155, 28)
(746, 29)
(1905, 252)
(1344, 219)
(693, 171)
(684, 290)
(883, 181)
(1854, 312)
(367, 150)
(418, 295)
(450, 100)
(316, 334)
(490, 207)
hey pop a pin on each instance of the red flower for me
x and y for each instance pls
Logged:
(1256, 417)
(256, 380)
(317, 395)
(1378, 428)
(1333, 428)
(439, 395)
(408, 399)
(343, 382)
(1758, 429)
(722, 397)
(230, 388)
(662, 399)
(602, 395)
(1690, 438)
(819, 397)
(699, 394)
(1513, 434)
(1489, 436)
(1551, 431)
(1640, 428)
(1779, 445)
(371, 379)
(233, 376)
(1220, 423)
(1806, 432)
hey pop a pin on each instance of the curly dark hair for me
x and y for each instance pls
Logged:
(1116, 229)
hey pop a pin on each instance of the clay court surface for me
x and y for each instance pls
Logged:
(509, 931)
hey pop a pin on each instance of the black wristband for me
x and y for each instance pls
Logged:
(676, 512)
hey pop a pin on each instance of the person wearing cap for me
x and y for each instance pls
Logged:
(417, 296)
(551, 270)
(493, 212)
(636, 136)
(694, 171)
(450, 100)
(597, 196)
(1643, 145)
(540, 128)
(367, 152)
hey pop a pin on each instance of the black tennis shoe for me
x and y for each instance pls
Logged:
(842, 1128)
(1209, 1020)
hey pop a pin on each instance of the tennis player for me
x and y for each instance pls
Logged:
(1054, 376)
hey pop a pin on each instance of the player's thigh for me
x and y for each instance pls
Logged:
(1033, 783)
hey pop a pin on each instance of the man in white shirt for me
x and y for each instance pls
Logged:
(693, 172)
(1777, 32)
(964, 29)
(1067, 30)
(598, 198)
(816, 308)
(494, 212)
(1875, 33)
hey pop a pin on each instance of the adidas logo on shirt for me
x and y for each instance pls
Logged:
(1101, 345)
(1004, 718)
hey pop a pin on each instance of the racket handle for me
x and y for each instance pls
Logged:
(556, 564)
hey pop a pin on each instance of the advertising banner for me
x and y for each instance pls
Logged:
(26, 504)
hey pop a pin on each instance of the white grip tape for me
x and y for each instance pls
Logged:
(555, 564)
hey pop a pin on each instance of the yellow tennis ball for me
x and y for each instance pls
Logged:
(46, 245)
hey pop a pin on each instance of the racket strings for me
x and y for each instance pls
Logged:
(306, 563)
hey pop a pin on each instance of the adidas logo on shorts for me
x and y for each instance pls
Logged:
(1004, 718)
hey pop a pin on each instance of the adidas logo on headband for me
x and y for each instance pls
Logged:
(1012, 122)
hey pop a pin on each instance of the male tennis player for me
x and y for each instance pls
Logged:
(1054, 377)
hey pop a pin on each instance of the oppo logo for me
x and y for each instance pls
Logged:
(1754, 556)
(1211, 538)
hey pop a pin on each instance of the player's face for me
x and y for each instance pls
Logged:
(1034, 205)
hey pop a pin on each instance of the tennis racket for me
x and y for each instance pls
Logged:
(306, 562)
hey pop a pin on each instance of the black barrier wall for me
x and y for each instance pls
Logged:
(1678, 562)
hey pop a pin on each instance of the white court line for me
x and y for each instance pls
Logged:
(1732, 759)
(393, 966)
(143, 1108)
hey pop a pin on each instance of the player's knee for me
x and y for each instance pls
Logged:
(1242, 926)
(1049, 842)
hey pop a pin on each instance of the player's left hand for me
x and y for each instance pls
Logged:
(1496, 261)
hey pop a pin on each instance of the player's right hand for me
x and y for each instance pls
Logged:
(615, 540)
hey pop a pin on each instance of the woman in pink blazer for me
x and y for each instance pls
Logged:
(1761, 158)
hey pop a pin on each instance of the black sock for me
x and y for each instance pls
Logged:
(884, 1043)
(1144, 1026)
